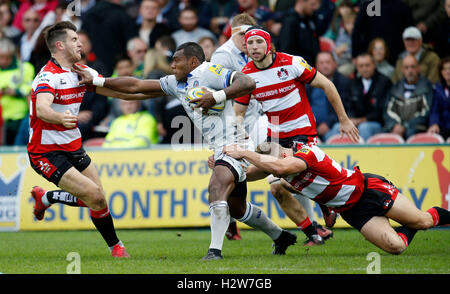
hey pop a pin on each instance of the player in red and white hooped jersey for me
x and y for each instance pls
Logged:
(62, 84)
(365, 201)
(55, 149)
(280, 88)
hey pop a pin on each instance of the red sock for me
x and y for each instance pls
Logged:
(304, 224)
(403, 237)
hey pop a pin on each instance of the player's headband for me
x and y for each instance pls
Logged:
(237, 30)
(255, 32)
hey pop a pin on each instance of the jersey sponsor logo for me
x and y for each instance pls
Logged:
(70, 96)
(216, 68)
(304, 150)
(305, 64)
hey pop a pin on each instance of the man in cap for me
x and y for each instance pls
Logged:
(428, 60)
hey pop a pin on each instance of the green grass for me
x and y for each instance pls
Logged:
(175, 251)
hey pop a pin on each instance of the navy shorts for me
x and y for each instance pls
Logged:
(378, 197)
(53, 165)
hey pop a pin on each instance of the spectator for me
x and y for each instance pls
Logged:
(109, 28)
(428, 60)
(136, 49)
(190, 31)
(200, 6)
(442, 38)
(27, 40)
(409, 101)
(343, 48)
(221, 10)
(150, 29)
(134, 128)
(167, 45)
(427, 15)
(298, 34)
(40, 54)
(262, 14)
(42, 7)
(91, 59)
(321, 107)
(368, 96)
(209, 46)
(440, 112)
(343, 8)
(394, 16)
(6, 18)
(380, 53)
(15, 86)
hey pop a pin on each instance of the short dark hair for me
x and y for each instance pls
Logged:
(57, 32)
(192, 49)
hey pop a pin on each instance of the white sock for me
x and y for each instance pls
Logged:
(307, 205)
(257, 219)
(45, 201)
(220, 219)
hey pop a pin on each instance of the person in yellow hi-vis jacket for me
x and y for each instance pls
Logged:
(16, 77)
(132, 129)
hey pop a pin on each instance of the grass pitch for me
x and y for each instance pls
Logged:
(178, 251)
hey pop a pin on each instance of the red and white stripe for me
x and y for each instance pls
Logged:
(68, 95)
(325, 181)
(283, 96)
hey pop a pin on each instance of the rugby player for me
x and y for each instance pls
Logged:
(365, 201)
(227, 187)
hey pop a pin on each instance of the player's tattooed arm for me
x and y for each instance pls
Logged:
(241, 85)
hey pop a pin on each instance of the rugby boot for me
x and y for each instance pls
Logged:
(39, 207)
(285, 240)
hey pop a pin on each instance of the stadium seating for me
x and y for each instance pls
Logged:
(338, 140)
(385, 138)
(94, 142)
(422, 138)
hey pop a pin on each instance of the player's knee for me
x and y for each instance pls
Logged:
(97, 199)
(394, 245)
(278, 192)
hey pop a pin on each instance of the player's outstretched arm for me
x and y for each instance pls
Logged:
(270, 164)
(128, 85)
(346, 125)
(125, 96)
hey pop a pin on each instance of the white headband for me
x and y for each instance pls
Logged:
(237, 30)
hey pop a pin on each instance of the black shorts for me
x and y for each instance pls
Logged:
(53, 165)
(378, 197)
(288, 142)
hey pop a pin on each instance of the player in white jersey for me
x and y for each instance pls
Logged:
(227, 187)
(232, 54)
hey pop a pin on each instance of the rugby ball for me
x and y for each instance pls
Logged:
(198, 92)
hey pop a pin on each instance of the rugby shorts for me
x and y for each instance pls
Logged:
(53, 165)
(376, 200)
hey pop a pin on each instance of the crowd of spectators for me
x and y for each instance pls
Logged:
(392, 69)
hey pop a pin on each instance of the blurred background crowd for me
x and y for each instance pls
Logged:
(391, 69)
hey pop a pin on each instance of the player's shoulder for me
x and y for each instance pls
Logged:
(250, 68)
(308, 150)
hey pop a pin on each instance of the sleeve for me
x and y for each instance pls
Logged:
(44, 83)
(304, 72)
(222, 58)
(306, 154)
(217, 76)
(169, 85)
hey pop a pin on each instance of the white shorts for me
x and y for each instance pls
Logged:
(239, 167)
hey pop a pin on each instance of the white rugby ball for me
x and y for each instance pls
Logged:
(198, 92)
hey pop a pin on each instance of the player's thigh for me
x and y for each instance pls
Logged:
(92, 173)
(379, 232)
(221, 183)
(406, 213)
(80, 186)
